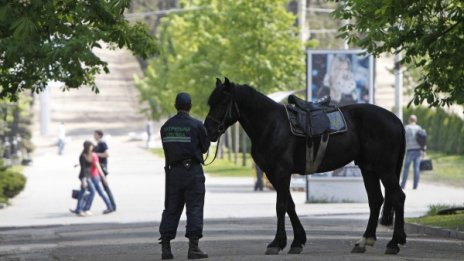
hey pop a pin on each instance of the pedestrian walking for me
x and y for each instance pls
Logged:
(149, 131)
(98, 178)
(184, 141)
(414, 151)
(85, 201)
(102, 152)
(61, 138)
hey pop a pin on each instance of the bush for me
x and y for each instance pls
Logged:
(11, 183)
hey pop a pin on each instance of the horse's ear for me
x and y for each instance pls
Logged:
(218, 83)
(227, 85)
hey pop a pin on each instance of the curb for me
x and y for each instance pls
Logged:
(433, 231)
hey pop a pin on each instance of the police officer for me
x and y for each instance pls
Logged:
(184, 142)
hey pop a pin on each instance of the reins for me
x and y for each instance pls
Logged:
(215, 153)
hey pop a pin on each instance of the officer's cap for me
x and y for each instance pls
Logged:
(183, 101)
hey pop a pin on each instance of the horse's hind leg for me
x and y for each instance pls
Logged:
(396, 197)
(299, 234)
(375, 198)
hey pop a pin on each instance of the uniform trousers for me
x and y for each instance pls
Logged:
(183, 187)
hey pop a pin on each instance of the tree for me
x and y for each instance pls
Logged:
(253, 42)
(429, 33)
(44, 40)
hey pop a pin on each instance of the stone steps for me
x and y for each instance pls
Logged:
(115, 109)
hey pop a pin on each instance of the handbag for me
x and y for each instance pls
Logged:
(75, 193)
(425, 164)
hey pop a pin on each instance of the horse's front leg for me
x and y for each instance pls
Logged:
(299, 234)
(280, 241)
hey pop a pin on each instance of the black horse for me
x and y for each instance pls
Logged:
(374, 140)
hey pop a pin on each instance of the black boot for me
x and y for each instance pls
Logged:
(166, 249)
(194, 252)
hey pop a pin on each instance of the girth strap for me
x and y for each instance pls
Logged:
(312, 164)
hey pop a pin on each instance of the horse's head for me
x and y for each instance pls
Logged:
(223, 109)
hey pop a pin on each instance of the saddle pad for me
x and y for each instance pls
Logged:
(298, 127)
(337, 122)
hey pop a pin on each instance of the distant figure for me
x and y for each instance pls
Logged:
(149, 131)
(61, 138)
(259, 178)
(184, 141)
(413, 152)
(102, 152)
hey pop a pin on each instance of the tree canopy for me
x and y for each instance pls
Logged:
(253, 42)
(44, 40)
(429, 34)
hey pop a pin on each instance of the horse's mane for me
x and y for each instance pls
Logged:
(240, 92)
(250, 95)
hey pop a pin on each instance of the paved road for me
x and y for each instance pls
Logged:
(225, 239)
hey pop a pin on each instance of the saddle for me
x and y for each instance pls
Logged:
(312, 120)
(305, 105)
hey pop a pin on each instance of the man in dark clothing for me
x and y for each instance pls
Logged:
(101, 149)
(184, 142)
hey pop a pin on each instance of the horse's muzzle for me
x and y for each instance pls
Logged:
(213, 138)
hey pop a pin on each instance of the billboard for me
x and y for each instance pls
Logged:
(346, 75)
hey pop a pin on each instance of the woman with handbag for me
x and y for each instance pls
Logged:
(86, 193)
(91, 176)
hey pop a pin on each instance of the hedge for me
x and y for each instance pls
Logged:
(11, 183)
(445, 131)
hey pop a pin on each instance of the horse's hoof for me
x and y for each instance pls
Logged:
(358, 249)
(272, 251)
(392, 251)
(370, 241)
(295, 250)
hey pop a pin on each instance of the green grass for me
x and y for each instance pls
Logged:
(453, 222)
(226, 168)
(447, 169)
(222, 167)
(158, 152)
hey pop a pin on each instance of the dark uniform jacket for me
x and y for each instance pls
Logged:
(184, 138)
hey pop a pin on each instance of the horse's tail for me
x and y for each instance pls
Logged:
(387, 211)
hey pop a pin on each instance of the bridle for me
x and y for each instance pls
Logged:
(221, 126)
(227, 115)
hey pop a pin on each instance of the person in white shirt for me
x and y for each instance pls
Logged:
(61, 138)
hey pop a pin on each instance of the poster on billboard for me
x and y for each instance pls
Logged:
(346, 75)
